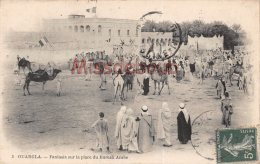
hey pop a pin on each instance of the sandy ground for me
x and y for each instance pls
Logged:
(49, 125)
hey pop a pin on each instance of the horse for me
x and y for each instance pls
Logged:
(118, 86)
(236, 70)
(24, 63)
(39, 76)
(157, 78)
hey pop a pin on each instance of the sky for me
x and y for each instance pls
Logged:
(28, 15)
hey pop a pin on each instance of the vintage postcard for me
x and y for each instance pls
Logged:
(127, 81)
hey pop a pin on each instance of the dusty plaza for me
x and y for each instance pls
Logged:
(36, 122)
(74, 90)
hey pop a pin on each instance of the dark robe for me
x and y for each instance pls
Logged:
(224, 85)
(146, 86)
(184, 128)
(192, 68)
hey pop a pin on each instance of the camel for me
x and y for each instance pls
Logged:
(118, 86)
(24, 63)
(236, 70)
(39, 76)
(157, 78)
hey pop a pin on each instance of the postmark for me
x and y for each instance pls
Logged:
(236, 145)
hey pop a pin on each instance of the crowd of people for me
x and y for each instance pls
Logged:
(137, 134)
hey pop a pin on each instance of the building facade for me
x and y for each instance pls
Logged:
(95, 34)
(80, 33)
(205, 43)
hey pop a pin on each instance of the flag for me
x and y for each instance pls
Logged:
(94, 9)
(43, 41)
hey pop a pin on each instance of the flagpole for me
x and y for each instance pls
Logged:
(40, 55)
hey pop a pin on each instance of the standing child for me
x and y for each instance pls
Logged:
(219, 87)
(58, 85)
(101, 129)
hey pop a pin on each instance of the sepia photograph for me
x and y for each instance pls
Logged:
(128, 81)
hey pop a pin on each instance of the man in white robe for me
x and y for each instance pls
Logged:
(119, 118)
(164, 125)
(146, 131)
(129, 132)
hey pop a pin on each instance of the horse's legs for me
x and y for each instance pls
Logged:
(161, 88)
(121, 91)
(124, 90)
(168, 86)
(159, 91)
(28, 83)
(154, 87)
(24, 88)
(230, 76)
(43, 87)
(115, 92)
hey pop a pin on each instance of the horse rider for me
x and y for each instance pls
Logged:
(48, 69)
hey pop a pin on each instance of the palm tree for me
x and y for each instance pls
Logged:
(197, 27)
(186, 30)
(237, 28)
(149, 26)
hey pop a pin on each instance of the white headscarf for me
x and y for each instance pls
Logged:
(145, 110)
(119, 118)
(165, 105)
(185, 112)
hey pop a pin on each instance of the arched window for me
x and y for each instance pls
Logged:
(128, 32)
(169, 42)
(157, 42)
(165, 42)
(70, 28)
(162, 42)
(143, 40)
(76, 29)
(87, 28)
(99, 29)
(152, 40)
(109, 32)
(147, 40)
(81, 28)
(118, 32)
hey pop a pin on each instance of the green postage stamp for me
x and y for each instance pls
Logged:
(236, 145)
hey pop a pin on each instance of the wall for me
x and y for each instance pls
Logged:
(205, 43)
